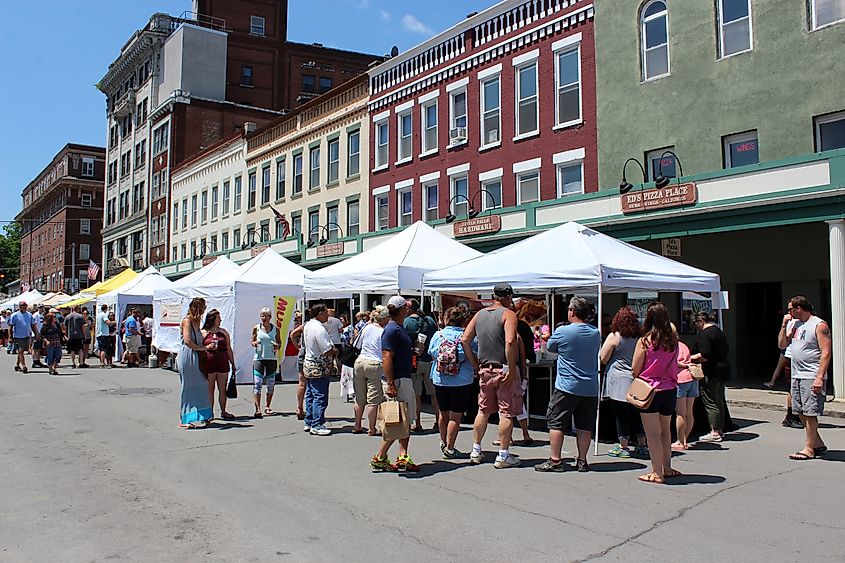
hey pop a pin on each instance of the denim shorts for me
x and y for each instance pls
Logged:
(688, 390)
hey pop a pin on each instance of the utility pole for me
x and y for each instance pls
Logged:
(73, 269)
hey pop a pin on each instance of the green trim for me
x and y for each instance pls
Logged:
(281, 159)
(331, 137)
(266, 166)
(314, 145)
(353, 197)
(252, 170)
(297, 213)
(333, 203)
(314, 208)
(297, 152)
(354, 128)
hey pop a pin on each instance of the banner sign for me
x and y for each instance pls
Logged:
(284, 307)
(478, 226)
(171, 314)
(674, 195)
(333, 249)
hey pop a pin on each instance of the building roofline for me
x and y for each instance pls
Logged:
(68, 147)
(225, 141)
(321, 47)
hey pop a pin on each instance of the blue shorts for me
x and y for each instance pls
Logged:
(688, 390)
(54, 355)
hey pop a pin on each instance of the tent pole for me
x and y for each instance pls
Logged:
(598, 403)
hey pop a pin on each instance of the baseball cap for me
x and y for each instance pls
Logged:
(503, 290)
(397, 301)
(21, 303)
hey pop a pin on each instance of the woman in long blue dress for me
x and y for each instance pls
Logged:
(196, 405)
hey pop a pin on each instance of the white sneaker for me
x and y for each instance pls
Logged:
(320, 431)
(504, 463)
(306, 428)
(476, 457)
(711, 437)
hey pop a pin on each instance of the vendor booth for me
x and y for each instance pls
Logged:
(268, 280)
(55, 299)
(570, 258)
(394, 266)
(29, 297)
(212, 271)
(99, 288)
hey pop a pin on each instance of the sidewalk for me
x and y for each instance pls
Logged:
(775, 400)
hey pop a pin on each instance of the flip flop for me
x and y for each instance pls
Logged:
(257, 414)
(227, 416)
(650, 478)
(674, 473)
(819, 451)
(268, 411)
(358, 430)
(801, 456)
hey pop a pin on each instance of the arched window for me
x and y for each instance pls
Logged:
(654, 39)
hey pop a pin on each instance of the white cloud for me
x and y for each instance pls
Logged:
(384, 15)
(414, 25)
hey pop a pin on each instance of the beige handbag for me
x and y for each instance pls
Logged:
(696, 372)
(640, 394)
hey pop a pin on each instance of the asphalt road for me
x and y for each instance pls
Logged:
(94, 468)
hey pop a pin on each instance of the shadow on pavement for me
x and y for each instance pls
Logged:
(614, 466)
(432, 468)
(739, 436)
(745, 423)
(693, 479)
(829, 425)
(228, 425)
(832, 455)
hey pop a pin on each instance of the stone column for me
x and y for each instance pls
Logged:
(836, 230)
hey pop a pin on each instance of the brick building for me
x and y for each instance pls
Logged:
(61, 220)
(181, 84)
(497, 112)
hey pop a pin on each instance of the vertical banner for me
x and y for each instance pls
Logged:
(284, 314)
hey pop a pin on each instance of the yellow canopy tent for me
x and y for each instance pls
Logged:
(91, 293)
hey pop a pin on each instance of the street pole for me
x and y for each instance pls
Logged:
(73, 268)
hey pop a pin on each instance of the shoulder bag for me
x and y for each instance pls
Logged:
(640, 393)
(232, 386)
(696, 371)
(351, 351)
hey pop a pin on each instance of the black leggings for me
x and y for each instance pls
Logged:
(627, 420)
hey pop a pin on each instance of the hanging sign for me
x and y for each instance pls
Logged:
(673, 195)
(258, 249)
(671, 247)
(206, 260)
(333, 249)
(478, 226)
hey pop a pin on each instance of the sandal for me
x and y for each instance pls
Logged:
(801, 456)
(417, 428)
(819, 451)
(372, 432)
(357, 430)
(300, 415)
(678, 447)
(651, 478)
(227, 416)
(268, 411)
(257, 414)
(672, 473)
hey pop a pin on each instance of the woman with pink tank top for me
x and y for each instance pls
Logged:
(656, 363)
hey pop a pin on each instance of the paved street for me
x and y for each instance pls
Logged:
(94, 468)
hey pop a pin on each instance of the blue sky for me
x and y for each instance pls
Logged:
(52, 53)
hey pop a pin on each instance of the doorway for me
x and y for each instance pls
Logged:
(758, 315)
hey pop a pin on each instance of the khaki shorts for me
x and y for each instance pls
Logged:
(405, 393)
(366, 380)
(423, 377)
(133, 343)
(804, 400)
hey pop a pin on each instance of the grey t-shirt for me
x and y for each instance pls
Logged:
(490, 330)
(73, 324)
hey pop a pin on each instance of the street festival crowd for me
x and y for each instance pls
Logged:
(393, 352)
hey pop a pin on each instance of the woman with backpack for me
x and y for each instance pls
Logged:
(452, 376)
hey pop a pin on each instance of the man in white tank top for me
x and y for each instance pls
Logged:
(810, 346)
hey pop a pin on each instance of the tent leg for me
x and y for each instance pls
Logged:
(598, 402)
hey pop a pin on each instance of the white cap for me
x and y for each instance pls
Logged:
(397, 301)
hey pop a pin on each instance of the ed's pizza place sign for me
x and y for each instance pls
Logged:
(676, 195)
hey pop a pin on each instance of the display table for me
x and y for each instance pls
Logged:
(540, 384)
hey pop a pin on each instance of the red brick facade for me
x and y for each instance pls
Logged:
(404, 83)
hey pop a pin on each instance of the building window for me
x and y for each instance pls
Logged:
(332, 226)
(654, 163)
(84, 251)
(296, 226)
(141, 154)
(156, 187)
(431, 201)
(353, 218)
(246, 75)
(492, 199)
(429, 116)
(224, 240)
(382, 210)
(830, 131)
(141, 113)
(570, 178)
(741, 149)
(382, 139)
(225, 198)
(314, 176)
(87, 167)
(175, 217)
(459, 187)
(236, 205)
(309, 84)
(325, 84)
(458, 116)
(137, 198)
(569, 87)
(406, 131)
(236, 237)
(194, 210)
(406, 207)
(161, 138)
(265, 185)
(184, 253)
(353, 166)
(215, 200)
(527, 116)
(734, 17)
(826, 12)
(314, 226)
(204, 207)
(297, 173)
(154, 230)
(280, 180)
(491, 111)
(85, 226)
(334, 161)
(251, 188)
(654, 40)
(528, 187)
(86, 199)
(184, 214)
(112, 172)
(256, 25)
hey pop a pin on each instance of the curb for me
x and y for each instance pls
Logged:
(780, 408)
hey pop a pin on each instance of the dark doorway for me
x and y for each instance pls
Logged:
(758, 316)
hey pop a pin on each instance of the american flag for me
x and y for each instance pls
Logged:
(93, 270)
(280, 218)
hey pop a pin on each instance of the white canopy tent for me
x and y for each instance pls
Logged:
(30, 297)
(212, 271)
(572, 258)
(239, 295)
(137, 291)
(394, 266)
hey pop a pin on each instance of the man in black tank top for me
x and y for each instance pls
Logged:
(496, 366)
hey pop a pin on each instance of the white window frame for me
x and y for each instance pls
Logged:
(823, 120)
(257, 26)
(314, 171)
(204, 207)
(453, 190)
(430, 213)
(519, 101)
(379, 218)
(237, 194)
(560, 168)
(720, 7)
(351, 157)
(382, 161)
(485, 143)
(349, 216)
(184, 214)
(485, 200)
(298, 177)
(251, 190)
(562, 51)
(729, 140)
(404, 219)
(87, 167)
(215, 201)
(333, 169)
(651, 156)
(175, 217)
(266, 184)
(454, 117)
(814, 25)
(225, 205)
(405, 154)
(281, 179)
(224, 240)
(520, 176)
(427, 127)
(84, 251)
(85, 226)
(194, 210)
(86, 199)
(643, 22)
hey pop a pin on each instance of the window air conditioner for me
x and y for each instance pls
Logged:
(492, 136)
(458, 134)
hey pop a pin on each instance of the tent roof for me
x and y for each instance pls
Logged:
(113, 282)
(55, 299)
(31, 296)
(572, 257)
(141, 285)
(395, 265)
(267, 268)
(221, 266)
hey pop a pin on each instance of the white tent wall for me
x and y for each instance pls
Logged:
(30, 297)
